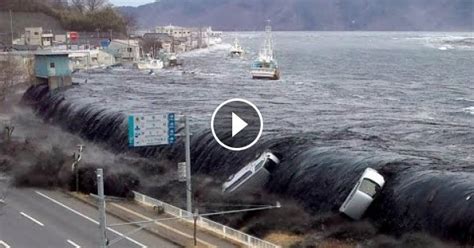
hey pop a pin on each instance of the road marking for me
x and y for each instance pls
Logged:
(32, 219)
(90, 219)
(163, 225)
(4, 244)
(73, 244)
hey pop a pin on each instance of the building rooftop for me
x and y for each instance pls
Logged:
(51, 53)
(126, 42)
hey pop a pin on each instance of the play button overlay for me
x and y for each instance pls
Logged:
(236, 124)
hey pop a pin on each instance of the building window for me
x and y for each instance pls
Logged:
(36, 33)
(129, 49)
(52, 65)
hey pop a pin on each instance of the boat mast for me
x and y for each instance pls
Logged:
(268, 49)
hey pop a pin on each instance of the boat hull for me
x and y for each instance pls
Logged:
(236, 53)
(273, 74)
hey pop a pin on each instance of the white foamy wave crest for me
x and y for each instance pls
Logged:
(447, 42)
(469, 110)
(464, 99)
(198, 52)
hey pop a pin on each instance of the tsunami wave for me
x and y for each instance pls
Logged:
(418, 196)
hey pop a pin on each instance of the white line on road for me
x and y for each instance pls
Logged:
(90, 219)
(4, 244)
(73, 244)
(32, 219)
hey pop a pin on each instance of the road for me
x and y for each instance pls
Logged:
(50, 219)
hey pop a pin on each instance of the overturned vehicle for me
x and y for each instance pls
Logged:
(363, 194)
(253, 176)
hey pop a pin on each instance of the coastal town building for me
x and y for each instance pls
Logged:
(85, 59)
(53, 68)
(176, 39)
(174, 31)
(124, 50)
(33, 36)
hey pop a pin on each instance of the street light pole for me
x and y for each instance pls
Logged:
(102, 218)
(189, 204)
(11, 25)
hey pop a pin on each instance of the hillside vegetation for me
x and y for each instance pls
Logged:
(77, 17)
(392, 15)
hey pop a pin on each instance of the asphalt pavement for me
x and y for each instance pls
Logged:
(50, 219)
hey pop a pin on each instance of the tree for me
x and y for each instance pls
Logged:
(93, 5)
(78, 5)
(89, 5)
(130, 21)
(9, 76)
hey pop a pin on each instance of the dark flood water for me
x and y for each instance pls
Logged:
(402, 103)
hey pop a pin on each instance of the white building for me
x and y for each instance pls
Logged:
(85, 59)
(174, 31)
(33, 36)
(125, 49)
(47, 39)
(60, 39)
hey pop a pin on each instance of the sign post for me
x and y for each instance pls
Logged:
(182, 171)
(152, 130)
(102, 217)
(189, 206)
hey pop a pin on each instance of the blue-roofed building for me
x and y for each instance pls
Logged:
(53, 68)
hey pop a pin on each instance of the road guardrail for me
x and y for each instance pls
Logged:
(207, 224)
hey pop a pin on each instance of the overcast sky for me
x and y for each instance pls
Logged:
(130, 2)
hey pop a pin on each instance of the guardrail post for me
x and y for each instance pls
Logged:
(202, 222)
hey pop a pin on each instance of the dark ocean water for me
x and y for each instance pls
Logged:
(402, 103)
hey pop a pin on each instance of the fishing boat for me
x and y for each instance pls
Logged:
(236, 50)
(266, 66)
(149, 64)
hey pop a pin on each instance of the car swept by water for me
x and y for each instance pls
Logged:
(253, 176)
(367, 188)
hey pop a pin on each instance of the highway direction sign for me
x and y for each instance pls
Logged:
(151, 130)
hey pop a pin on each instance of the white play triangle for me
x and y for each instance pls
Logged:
(237, 124)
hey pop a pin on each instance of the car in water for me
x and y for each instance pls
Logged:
(253, 176)
(364, 192)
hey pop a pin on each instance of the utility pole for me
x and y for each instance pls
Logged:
(189, 204)
(103, 243)
(195, 217)
(11, 25)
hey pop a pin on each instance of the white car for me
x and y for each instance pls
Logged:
(253, 176)
(363, 193)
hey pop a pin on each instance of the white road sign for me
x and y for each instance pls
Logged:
(150, 130)
(182, 172)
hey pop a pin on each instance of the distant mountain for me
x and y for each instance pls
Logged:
(413, 15)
